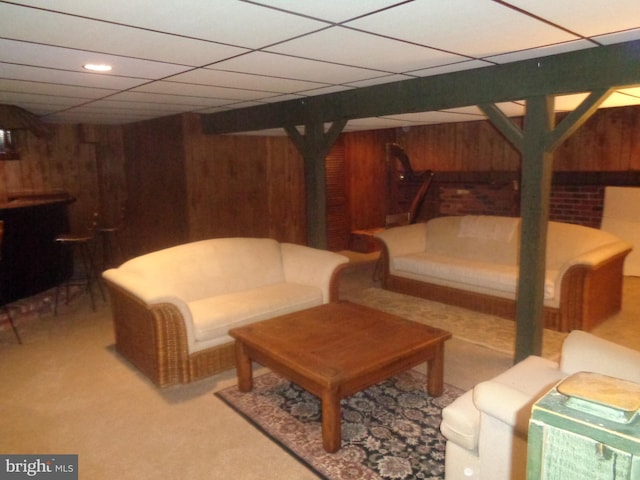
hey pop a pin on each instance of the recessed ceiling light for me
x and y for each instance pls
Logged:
(97, 67)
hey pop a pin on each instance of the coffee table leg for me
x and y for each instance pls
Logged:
(435, 371)
(331, 422)
(243, 368)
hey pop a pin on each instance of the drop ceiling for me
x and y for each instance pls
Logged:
(207, 56)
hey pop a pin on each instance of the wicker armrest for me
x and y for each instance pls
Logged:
(152, 337)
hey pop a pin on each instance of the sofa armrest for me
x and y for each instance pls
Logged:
(149, 294)
(312, 266)
(140, 287)
(512, 407)
(597, 255)
(584, 352)
(404, 240)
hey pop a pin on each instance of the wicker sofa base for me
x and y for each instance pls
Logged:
(156, 342)
(590, 295)
(478, 302)
(172, 308)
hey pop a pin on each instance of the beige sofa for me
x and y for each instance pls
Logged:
(172, 309)
(487, 427)
(472, 261)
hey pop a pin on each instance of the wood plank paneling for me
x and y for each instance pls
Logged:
(338, 218)
(242, 185)
(62, 162)
(367, 175)
(156, 185)
(286, 191)
(465, 146)
(183, 185)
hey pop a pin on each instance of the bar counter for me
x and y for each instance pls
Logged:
(30, 261)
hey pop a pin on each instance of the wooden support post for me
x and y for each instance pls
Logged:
(314, 146)
(536, 144)
(537, 169)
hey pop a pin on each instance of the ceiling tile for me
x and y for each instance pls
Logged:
(115, 105)
(38, 55)
(380, 80)
(436, 117)
(227, 21)
(39, 104)
(267, 51)
(53, 89)
(633, 91)
(365, 51)
(619, 37)
(332, 10)
(61, 77)
(105, 118)
(75, 32)
(326, 90)
(467, 27)
(617, 99)
(275, 65)
(587, 18)
(541, 51)
(204, 91)
(147, 98)
(373, 124)
(221, 78)
(451, 67)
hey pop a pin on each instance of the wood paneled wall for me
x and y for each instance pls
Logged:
(459, 147)
(243, 185)
(470, 155)
(156, 185)
(83, 161)
(180, 185)
(608, 141)
(367, 175)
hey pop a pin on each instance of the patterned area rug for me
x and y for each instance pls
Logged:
(389, 431)
(481, 329)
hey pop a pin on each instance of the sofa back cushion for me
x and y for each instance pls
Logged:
(476, 237)
(585, 352)
(209, 267)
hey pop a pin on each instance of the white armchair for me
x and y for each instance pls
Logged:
(486, 428)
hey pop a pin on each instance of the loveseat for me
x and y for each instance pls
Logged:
(173, 308)
(473, 260)
(486, 428)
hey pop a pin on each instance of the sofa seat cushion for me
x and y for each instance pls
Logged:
(457, 269)
(214, 316)
(461, 419)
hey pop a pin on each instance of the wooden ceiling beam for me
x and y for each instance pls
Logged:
(611, 66)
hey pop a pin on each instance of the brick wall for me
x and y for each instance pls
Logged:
(577, 204)
(581, 205)
(479, 199)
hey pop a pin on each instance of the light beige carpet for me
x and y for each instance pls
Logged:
(67, 391)
(480, 329)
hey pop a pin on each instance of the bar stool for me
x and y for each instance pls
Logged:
(112, 250)
(3, 304)
(79, 245)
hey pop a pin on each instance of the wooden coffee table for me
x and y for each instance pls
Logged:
(336, 350)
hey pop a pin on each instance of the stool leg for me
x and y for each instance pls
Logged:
(13, 325)
(94, 273)
(89, 269)
(61, 258)
(86, 263)
(119, 246)
(107, 251)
